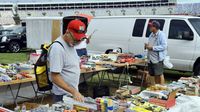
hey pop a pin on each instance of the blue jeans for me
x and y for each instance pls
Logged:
(81, 52)
(57, 98)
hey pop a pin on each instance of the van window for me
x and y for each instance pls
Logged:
(178, 28)
(139, 27)
(196, 24)
(161, 21)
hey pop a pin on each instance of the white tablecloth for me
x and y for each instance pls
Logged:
(186, 104)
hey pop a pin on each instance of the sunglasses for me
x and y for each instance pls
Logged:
(74, 40)
(80, 31)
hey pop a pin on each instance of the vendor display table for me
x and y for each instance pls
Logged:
(96, 71)
(19, 83)
(126, 66)
(136, 62)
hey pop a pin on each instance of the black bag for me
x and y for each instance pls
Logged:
(41, 69)
(101, 91)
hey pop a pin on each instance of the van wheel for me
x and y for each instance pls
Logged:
(14, 47)
(197, 70)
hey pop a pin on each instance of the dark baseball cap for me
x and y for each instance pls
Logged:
(154, 24)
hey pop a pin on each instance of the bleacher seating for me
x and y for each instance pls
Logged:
(128, 8)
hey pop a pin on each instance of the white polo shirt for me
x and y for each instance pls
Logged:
(66, 62)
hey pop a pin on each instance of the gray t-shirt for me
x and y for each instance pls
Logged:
(153, 56)
(66, 62)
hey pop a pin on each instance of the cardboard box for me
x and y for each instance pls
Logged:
(127, 91)
(30, 106)
(133, 89)
(170, 102)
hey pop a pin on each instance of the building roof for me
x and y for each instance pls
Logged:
(134, 16)
(64, 1)
(150, 16)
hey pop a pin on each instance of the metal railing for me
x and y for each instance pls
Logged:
(92, 5)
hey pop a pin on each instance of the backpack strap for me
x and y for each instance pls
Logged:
(59, 43)
(46, 47)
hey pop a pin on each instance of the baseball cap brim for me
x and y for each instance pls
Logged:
(78, 36)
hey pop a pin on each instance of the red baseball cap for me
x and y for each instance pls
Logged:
(77, 28)
(150, 24)
(154, 24)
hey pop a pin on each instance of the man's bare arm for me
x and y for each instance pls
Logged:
(58, 80)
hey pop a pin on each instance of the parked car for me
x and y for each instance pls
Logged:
(14, 41)
(1, 27)
(6, 31)
(131, 32)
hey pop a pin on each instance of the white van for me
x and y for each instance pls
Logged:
(131, 32)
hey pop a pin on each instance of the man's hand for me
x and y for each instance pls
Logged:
(58, 80)
(78, 97)
(148, 46)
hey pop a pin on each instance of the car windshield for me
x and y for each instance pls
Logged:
(17, 30)
(196, 24)
(6, 32)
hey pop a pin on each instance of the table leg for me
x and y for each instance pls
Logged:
(120, 76)
(143, 74)
(36, 94)
(108, 76)
(9, 86)
(102, 78)
(93, 74)
(44, 93)
(91, 80)
(34, 91)
(113, 78)
(99, 77)
(128, 75)
(17, 94)
(142, 80)
(123, 72)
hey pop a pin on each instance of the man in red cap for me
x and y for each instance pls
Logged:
(64, 62)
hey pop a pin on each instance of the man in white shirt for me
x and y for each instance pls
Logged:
(64, 62)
